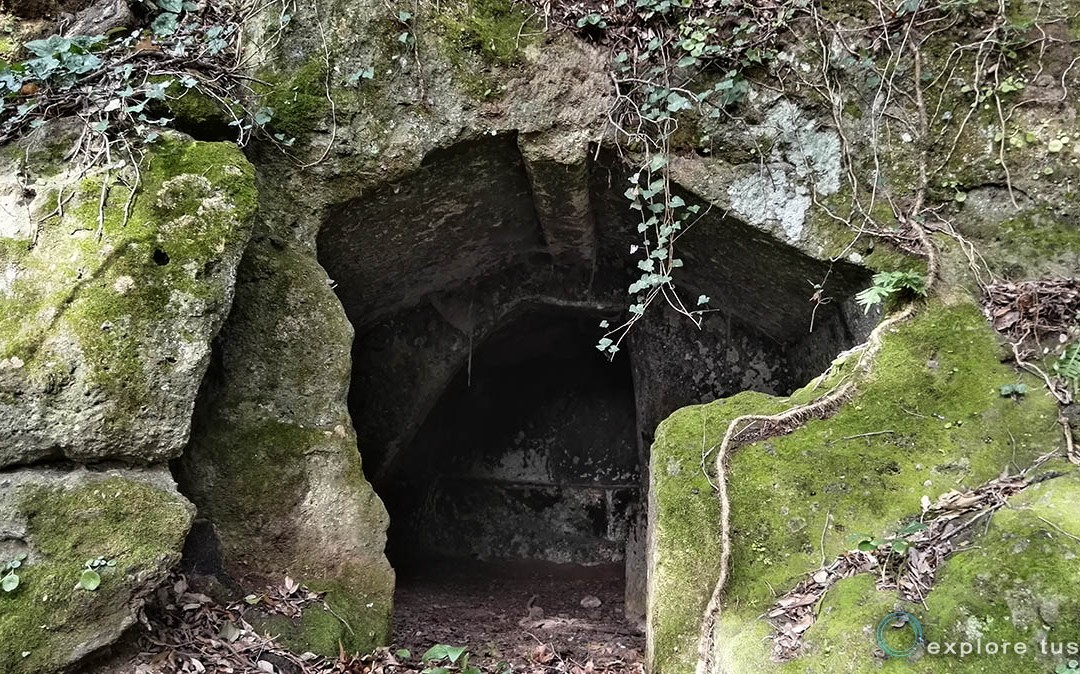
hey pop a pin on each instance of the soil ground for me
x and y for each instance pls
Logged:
(517, 612)
(522, 617)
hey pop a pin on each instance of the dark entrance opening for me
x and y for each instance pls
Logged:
(514, 502)
(509, 453)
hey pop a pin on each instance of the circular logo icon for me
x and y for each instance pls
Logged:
(894, 623)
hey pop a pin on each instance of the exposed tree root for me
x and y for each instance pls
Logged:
(749, 428)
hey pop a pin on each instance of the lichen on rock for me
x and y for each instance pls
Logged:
(110, 298)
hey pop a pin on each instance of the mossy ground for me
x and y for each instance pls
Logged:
(354, 616)
(140, 527)
(941, 424)
(1012, 586)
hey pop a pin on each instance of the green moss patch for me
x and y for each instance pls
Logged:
(686, 514)
(478, 37)
(1034, 244)
(112, 282)
(496, 30)
(260, 472)
(139, 527)
(939, 423)
(1013, 586)
(199, 114)
(354, 615)
(296, 100)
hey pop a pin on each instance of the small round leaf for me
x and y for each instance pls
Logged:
(89, 580)
(9, 582)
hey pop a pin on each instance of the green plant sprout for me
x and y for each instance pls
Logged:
(898, 543)
(90, 579)
(451, 657)
(1067, 366)
(889, 285)
(10, 581)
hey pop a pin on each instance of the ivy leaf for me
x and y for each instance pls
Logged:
(165, 24)
(677, 102)
(263, 116)
(440, 651)
(702, 299)
(908, 7)
(365, 74)
(1010, 390)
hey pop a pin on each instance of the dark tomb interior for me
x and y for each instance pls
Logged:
(529, 454)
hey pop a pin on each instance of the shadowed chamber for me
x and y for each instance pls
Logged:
(529, 454)
(511, 455)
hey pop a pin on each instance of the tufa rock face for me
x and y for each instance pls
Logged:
(273, 462)
(798, 497)
(59, 519)
(106, 320)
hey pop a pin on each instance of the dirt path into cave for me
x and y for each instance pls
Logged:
(483, 607)
(486, 607)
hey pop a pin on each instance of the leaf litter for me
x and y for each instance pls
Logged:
(909, 569)
(184, 631)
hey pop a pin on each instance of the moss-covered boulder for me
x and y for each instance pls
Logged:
(134, 520)
(1010, 599)
(111, 287)
(928, 419)
(273, 461)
